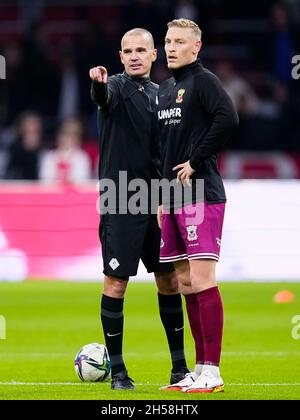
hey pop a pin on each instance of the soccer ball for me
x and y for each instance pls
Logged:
(92, 363)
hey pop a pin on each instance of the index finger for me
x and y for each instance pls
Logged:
(181, 165)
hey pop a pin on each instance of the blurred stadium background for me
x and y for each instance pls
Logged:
(48, 130)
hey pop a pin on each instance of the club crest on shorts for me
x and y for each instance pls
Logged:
(162, 244)
(180, 94)
(192, 233)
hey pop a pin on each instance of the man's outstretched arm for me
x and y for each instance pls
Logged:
(102, 90)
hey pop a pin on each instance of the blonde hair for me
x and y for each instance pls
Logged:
(186, 23)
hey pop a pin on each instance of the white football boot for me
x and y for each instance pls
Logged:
(205, 383)
(187, 381)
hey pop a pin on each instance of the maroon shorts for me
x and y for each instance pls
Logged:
(192, 232)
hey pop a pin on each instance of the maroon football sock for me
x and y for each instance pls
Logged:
(211, 318)
(192, 307)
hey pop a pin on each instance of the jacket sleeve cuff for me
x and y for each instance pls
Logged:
(195, 163)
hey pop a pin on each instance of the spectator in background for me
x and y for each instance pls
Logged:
(264, 120)
(67, 163)
(69, 95)
(99, 43)
(14, 90)
(145, 12)
(270, 128)
(31, 11)
(91, 46)
(25, 152)
(31, 78)
(285, 114)
(281, 43)
(75, 126)
(37, 71)
(186, 9)
(239, 90)
(295, 114)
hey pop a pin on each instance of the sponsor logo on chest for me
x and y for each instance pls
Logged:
(169, 113)
(171, 116)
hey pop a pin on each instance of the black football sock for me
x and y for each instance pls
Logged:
(112, 321)
(171, 315)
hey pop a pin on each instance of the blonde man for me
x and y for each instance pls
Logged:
(196, 118)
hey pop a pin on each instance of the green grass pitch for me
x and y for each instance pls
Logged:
(48, 322)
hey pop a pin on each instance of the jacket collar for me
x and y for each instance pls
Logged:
(137, 79)
(181, 72)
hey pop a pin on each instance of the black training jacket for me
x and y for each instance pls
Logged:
(127, 124)
(196, 118)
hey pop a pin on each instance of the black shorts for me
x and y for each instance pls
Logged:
(126, 239)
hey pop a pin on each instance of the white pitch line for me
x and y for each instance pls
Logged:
(138, 384)
(157, 354)
(261, 353)
(43, 383)
(293, 384)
